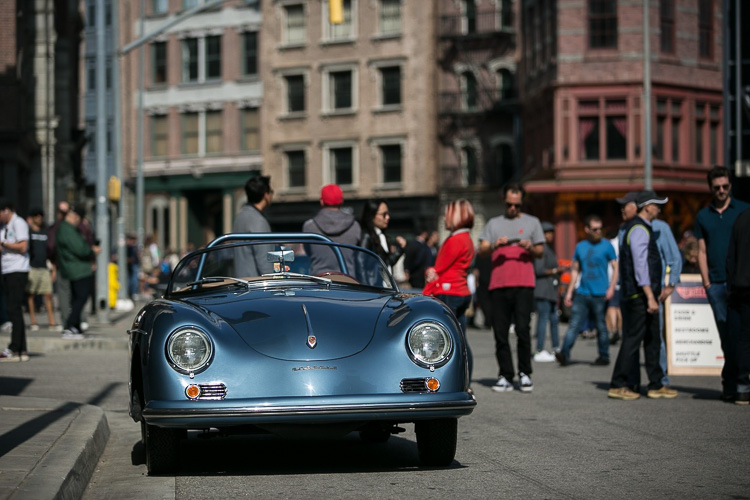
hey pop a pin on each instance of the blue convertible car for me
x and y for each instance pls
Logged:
(289, 333)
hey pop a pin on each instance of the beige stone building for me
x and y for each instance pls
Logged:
(351, 104)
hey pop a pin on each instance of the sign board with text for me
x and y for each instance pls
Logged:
(692, 339)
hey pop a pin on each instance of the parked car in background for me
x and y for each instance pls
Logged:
(288, 352)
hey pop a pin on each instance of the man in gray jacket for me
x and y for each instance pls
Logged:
(252, 260)
(338, 225)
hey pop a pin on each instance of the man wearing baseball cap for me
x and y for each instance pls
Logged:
(338, 225)
(640, 275)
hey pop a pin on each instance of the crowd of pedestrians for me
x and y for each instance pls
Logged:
(617, 286)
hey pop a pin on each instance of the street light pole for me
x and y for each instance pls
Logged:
(102, 212)
(647, 162)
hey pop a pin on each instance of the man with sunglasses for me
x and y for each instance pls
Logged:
(591, 260)
(713, 227)
(513, 240)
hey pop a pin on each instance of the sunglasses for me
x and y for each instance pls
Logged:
(721, 187)
(384, 214)
(595, 229)
(514, 205)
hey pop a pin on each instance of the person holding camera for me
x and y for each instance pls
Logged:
(74, 264)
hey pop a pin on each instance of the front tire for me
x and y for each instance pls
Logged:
(162, 446)
(436, 441)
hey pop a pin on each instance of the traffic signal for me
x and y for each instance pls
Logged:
(336, 11)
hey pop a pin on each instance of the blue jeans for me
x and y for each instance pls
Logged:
(583, 305)
(459, 305)
(717, 297)
(546, 312)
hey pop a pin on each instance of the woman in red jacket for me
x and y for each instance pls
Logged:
(447, 279)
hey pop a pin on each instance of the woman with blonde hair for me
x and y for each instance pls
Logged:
(447, 279)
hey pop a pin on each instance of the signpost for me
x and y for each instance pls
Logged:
(693, 344)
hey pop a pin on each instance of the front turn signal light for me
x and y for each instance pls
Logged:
(193, 391)
(432, 384)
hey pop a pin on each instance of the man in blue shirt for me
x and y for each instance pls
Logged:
(713, 227)
(591, 259)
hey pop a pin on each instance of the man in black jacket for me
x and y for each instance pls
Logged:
(738, 285)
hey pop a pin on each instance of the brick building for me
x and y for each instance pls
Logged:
(201, 103)
(40, 143)
(582, 100)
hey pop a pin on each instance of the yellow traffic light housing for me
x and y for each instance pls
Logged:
(336, 11)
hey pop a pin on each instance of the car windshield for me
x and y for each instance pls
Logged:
(278, 263)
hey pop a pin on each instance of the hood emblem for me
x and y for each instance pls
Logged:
(312, 340)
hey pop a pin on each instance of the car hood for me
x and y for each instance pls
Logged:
(304, 326)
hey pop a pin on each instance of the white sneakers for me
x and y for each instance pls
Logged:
(503, 385)
(7, 326)
(544, 357)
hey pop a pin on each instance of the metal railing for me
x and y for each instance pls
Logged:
(481, 23)
(476, 102)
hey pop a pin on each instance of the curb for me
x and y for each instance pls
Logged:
(65, 470)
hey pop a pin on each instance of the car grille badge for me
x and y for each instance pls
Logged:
(312, 341)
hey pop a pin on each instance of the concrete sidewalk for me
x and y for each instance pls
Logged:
(49, 448)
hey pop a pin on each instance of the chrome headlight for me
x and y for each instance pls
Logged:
(189, 349)
(429, 344)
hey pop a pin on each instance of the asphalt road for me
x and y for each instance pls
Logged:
(565, 440)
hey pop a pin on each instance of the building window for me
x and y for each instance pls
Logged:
(705, 28)
(714, 134)
(469, 16)
(390, 17)
(603, 24)
(91, 74)
(108, 75)
(390, 78)
(295, 168)
(159, 6)
(294, 23)
(341, 31)
(612, 114)
(159, 135)
(469, 166)
(190, 60)
(341, 165)
(202, 132)
(391, 163)
(189, 4)
(159, 58)
(506, 84)
(91, 12)
(295, 93)
(339, 90)
(469, 91)
(190, 133)
(505, 14)
(504, 164)
(213, 132)
(668, 122)
(108, 14)
(213, 58)
(201, 59)
(250, 53)
(90, 137)
(250, 129)
(666, 21)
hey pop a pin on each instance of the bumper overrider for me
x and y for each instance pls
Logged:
(195, 414)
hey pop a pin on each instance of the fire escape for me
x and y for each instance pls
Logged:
(478, 99)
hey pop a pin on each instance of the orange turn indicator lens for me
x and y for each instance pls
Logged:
(193, 391)
(432, 384)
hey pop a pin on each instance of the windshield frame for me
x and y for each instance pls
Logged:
(235, 240)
